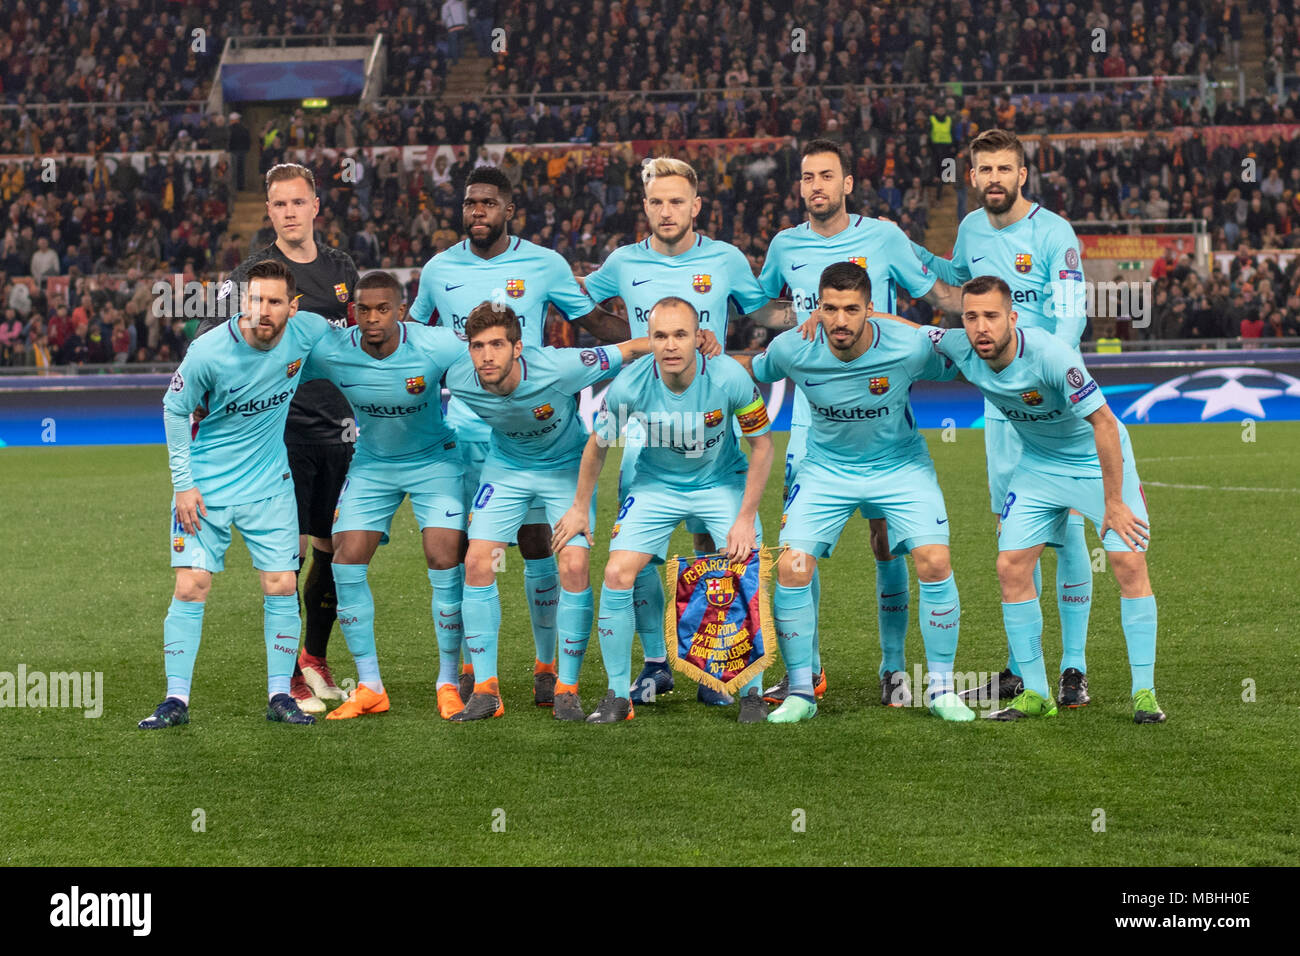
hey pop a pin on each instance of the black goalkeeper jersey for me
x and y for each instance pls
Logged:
(318, 409)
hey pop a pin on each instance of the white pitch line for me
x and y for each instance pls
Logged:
(1166, 484)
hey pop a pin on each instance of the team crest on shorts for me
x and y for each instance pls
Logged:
(543, 412)
(879, 386)
(515, 288)
(292, 368)
(1031, 397)
(415, 385)
(713, 418)
(1024, 262)
(783, 517)
(720, 591)
(341, 291)
(702, 283)
(860, 261)
(178, 544)
(614, 531)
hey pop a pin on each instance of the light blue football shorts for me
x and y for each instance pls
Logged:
(269, 528)
(509, 497)
(1002, 451)
(474, 454)
(825, 495)
(651, 511)
(373, 491)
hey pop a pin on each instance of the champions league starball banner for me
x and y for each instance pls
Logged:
(719, 623)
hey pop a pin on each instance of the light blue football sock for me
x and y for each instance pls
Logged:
(754, 684)
(281, 628)
(815, 589)
(615, 630)
(1074, 594)
(940, 611)
(480, 613)
(1138, 618)
(795, 623)
(648, 604)
(1024, 624)
(356, 613)
(182, 629)
(573, 623)
(892, 584)
(1012, 665)
(542, 582)
(448, 585)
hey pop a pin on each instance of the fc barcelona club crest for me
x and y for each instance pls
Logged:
(515, 288)
(859, 261)
(1024, 262)
(178, 544)
(702, 283)
(713, 418)
(1031, 397)
(720, 591)
(543, 412)
(879, 386)
(415, 385)
(341, 291)
(292, 368)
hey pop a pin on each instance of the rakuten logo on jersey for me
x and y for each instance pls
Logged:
(1020, 415)
(255, 406)
(849, 414)
(391, 411)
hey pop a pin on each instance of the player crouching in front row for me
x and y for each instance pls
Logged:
(527, 396)
(1076, 455)
(691, 467)
(234, 470)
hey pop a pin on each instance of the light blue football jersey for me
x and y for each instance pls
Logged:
(238, 454)
(1046, 394)
(527, 277)
(708, 275)
(690, 440)
(860, 409)
(537, 426)
(797, 256)
(397, 400)
(1038, 256)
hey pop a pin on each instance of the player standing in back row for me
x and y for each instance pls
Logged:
(320, 432)
(1036, 253)
(490, 264)
(795, 260)
(674, 261)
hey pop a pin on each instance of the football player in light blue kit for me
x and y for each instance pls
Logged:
(1076, 455)
(673, 261)
(690, 467)
(391, 372)
(528, 397)
(233, 470)
(491, 264)
(864, 450)
(1036, 253)
(795, 260)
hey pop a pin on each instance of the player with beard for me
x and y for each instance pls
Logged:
(319, 433)
(795, 260)
(490, 264)
(673, 262)
(1036, 253)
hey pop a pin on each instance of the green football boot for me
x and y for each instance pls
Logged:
(950, 707)
(793, 710)
(1145, 708)
(1028, 703)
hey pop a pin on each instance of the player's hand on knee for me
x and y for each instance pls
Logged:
(709, 345)
(189, 505)
(1134, 532)
(740, 540)
(572, 523)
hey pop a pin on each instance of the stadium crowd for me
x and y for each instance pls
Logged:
(140, 227)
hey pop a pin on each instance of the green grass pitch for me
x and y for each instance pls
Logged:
(84, 566)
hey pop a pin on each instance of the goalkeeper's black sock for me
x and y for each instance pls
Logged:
(320, 601)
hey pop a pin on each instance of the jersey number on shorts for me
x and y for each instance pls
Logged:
(1006, 506)
(484, 494)
(627, 503)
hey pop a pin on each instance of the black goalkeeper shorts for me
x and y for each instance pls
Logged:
(318, 474)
